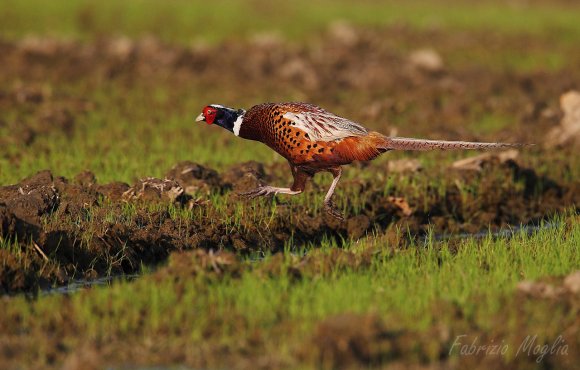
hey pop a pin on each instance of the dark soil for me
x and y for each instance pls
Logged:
(82, 229)
(55, 229)
(343, 341)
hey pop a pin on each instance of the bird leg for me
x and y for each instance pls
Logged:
(329, 206)
(267, 190)
(300, 178)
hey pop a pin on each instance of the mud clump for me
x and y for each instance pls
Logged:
(209, 264)
(357, 226)
(85, 179)
(86, 229)
(568, 132)
(427, 60)
(56, 224)
(350, 340)
(568, 285)
(156, 190)
(194, 178)
(476, 163)
(404, 165)
(244, 177)
(315, 264)
(113, 191)
(25, 203)
(572, 282)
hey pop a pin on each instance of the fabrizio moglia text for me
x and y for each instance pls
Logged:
(530, 346)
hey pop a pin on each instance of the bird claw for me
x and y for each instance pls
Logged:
(333, 211)
(258, 192)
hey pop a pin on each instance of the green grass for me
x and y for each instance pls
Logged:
(126, 134)
(138, 127)
(128, 139)
(184, 21)
(132, 134)
(472, 276)
(491, 124)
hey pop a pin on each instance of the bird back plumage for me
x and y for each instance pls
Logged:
(309, 135)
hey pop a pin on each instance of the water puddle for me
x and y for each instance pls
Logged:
(81, 284)
(509, 232)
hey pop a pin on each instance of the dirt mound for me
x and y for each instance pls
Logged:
(25, 204)
(569, 285)
(350, 340)
(194, 178)
(568, 132)
(156, 190)
(85, 229)
(384, 79)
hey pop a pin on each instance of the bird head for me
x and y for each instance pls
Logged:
(228, 118)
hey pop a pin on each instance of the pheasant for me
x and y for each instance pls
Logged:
(314, 140)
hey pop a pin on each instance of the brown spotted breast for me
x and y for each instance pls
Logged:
(279, 127)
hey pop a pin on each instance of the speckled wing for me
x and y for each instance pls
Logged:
(319, 124)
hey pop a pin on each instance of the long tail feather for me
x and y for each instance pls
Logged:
(403, 143)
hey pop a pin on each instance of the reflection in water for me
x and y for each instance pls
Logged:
(509, 232)
(84, 284)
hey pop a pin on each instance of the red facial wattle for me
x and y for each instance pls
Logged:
(209, 114)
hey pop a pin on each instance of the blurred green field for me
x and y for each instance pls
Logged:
(126, 114)
(186, 21)
(113, 87)
(461, 289)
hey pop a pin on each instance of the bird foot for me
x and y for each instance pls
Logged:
(331, 209)
(260, 192)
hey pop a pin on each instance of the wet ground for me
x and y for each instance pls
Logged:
(77, 228)
(78, 223)
(86, 229)
(185, 219)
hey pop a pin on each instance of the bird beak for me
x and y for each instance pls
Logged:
(200, 118)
